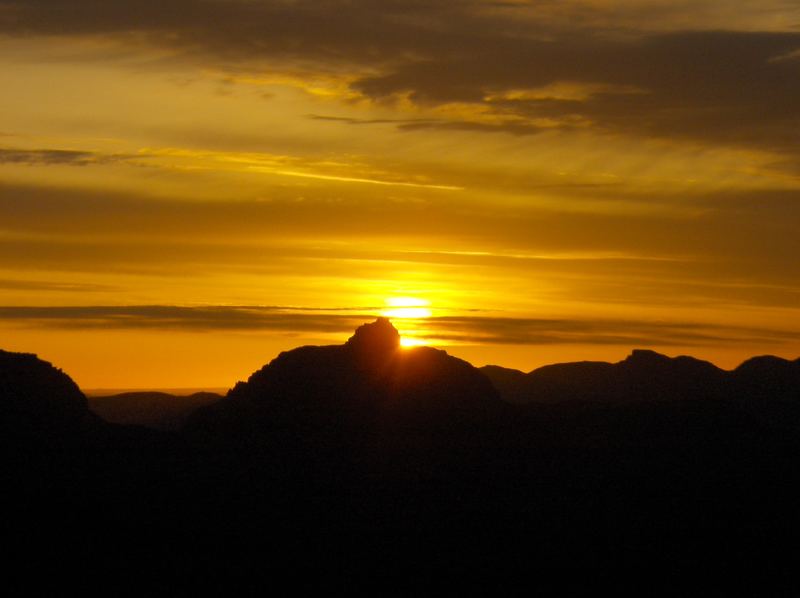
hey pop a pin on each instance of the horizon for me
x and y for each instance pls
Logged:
(186, 193)
(100, 392)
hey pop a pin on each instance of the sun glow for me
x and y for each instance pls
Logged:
(407, 307)
(408, 313)
(410, 341)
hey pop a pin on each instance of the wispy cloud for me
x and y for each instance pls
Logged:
(633, 333)
(351, 179)
(232, 162)
(372, 121)
(469, 329)
(196, 319)
(45, 157)
(45, 285)
(741, 246)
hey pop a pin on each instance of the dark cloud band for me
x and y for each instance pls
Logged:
(45, 157)
(714, 86)
(462, 328)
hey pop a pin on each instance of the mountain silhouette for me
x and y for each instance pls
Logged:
(39, 402)
(769, 388)
(371, 370)
(368, 456)
(643, 376)
(369, 397)
(766, 387)
(66, 473)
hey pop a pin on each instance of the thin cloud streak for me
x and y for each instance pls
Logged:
(168, 158)
(44, 285)
(460, 329)
(51, 157)
(346, 179)
(546, 331)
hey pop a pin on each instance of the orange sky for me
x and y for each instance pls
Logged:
(188, 188)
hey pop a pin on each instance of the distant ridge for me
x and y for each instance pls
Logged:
(766, 386)
(643, 375)
(175, 392)
(157, 410)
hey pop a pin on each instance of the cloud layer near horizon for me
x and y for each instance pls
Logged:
(469, 329)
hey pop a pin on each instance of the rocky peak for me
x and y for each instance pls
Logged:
(379, 337)
(643, 356)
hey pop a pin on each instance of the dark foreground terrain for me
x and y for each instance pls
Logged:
(366, 466)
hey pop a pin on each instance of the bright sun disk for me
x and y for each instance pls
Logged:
(410, 341)
(407, 307)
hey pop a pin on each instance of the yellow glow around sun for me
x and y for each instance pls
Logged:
(410, 341)
(407, 307)
(407, 310)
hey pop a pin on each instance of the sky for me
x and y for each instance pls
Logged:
(189, 187)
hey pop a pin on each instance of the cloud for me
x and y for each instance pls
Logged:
(707, 86)
(172, 159)
(351, 179)
(471, 329)
(323, 30)
(735, 247)
(418, 124)
(714, 85)
(49, 157)
(631, 333)
(44, 285)
(373, 121)
(192, 319)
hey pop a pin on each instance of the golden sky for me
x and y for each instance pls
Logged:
(189, 187)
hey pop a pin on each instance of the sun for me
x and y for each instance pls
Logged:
(409, 314)
(409, 341)
(407, 308)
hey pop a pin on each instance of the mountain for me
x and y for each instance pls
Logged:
(769, 388)
(334, 462)
(63, 468)
(642, 376)
(371, 442)
(509, 383)
(39, 403)
(369, 397)
(766, 387)
(157, 410)
(371, 371)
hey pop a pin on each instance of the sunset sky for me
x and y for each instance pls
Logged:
(189, 187)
